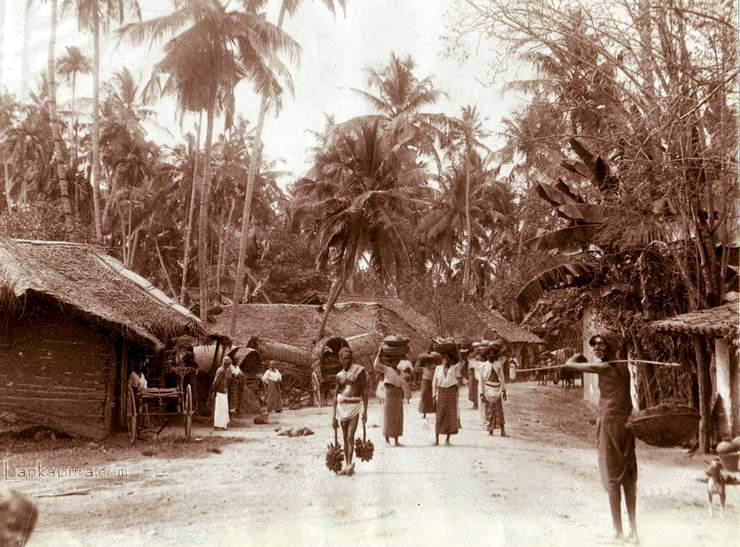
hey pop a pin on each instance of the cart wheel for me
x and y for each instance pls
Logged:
(188, 412)
(131, 417)
(316, 390)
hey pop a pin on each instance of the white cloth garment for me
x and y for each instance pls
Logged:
(221, 412)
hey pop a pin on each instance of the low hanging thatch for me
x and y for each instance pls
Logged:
(86, 281)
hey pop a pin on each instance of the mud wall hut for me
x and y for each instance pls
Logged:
(72, 321)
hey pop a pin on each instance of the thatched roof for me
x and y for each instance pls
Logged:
(719, 322)
(491, 324)
(83, 279)
(298, 324)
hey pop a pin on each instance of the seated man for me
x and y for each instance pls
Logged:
(350, 398)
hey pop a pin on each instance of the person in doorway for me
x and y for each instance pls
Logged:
(393, 389)
(272, 379)
(350, 400)
(445, 392)
(136, 379)
(219, 389)
(406, 369)
(614, 440)
(494, 389)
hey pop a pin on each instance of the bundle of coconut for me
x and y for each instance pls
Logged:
(394, 347)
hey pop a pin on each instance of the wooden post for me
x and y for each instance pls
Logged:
(705, 391)
(110, 391)
(123, 368)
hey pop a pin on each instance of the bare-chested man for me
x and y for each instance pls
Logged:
(350, 398)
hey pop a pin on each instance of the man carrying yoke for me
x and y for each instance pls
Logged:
(614, 440)
(350, 398)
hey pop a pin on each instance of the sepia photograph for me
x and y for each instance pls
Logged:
(285, 273)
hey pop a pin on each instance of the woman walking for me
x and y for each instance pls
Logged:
(445, 391)
(393, 407)
(426, 362)
(272, 378)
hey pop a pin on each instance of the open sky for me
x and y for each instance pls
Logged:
(336, 52)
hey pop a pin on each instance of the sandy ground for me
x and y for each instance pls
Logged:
(249, 486)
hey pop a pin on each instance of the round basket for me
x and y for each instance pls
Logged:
(396, 341)
(665, 425)
(393, 352)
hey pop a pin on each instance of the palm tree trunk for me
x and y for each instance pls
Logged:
(191, 213)
(6, 173)
(468, 229)
(247, 211)
(203, 220)
(336, 290)
(96, 127)
(61, 171)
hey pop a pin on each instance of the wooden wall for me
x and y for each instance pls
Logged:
(57, 370)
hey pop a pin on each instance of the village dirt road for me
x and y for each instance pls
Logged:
(539, 486)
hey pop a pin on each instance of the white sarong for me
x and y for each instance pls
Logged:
(348, 407)
(221, 412)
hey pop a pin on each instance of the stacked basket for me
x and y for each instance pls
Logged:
(394, 347)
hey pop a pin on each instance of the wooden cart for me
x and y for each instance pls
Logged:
(152, 407)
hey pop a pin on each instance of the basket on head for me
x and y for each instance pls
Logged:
(396, 341)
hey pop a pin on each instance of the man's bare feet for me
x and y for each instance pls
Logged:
(342, 472)
(632, 538)
(351, 470)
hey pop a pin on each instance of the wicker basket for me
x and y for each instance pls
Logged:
(393, 352)
(396, 341)
(665, 425)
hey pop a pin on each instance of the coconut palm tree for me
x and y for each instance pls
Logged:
(94, 15)
(289, 7)
(69, 66)
(351, 204)
(59, 152)
(211, 52)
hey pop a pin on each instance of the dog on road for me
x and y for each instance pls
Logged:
(715, 486)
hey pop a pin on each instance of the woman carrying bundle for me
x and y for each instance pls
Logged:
(393, 387)
(445, 391)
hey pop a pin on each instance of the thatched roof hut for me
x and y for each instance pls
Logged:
(72, 322)
(362, 324)
(85, 281)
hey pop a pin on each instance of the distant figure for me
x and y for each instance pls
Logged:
(614, 440)
(272, 379)
(474, 364)
(219, 388)
(236, 377)
(393, 406)
(18, 517)
(494, 390)
(445, 391)
(350, 400)
(426, 400)
(405, 368)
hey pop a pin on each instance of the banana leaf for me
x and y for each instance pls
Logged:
(567, 240)
(563, 276)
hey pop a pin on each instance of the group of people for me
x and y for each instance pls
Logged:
(440, 381)
(226, 391)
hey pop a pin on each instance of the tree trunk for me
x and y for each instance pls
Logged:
(26, 51)
(96, 128)
(333, 296)
(6, 174)
(61, 171)
(254, 162)
(468, 230)
(191, 213)
(705, 394)
(203, 218)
